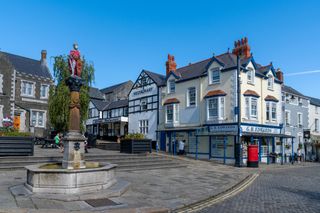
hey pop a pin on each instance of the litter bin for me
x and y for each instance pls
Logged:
(253, 156)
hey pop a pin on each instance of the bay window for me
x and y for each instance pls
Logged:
(172, 113)
(215, 108)
(251, 107)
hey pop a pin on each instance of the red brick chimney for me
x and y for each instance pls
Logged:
(170, 64)
(279, 74)
(43, 57)
(242, 48)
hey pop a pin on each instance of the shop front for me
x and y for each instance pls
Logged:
(112, 128)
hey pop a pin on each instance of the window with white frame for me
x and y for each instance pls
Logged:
(270, 82)
(317, 109)
(44, 91)
(1, 115)
(172, 113)
(300, 101)
(299, 119)
(38, 118)
(214, 76)
(144, 126)
(274, 111)
(172, 86)
(287, 117)
(1, 83)
(254, 108)
(27, 88)
(316, 125)
(300, 139)
(268, 111)
(191, 97)
(251, 107)
(250, 76)
(215, 108)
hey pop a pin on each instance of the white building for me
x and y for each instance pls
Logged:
(143, 104)
(198, 104)
(314, 127)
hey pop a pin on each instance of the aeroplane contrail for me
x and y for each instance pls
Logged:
(302, 73)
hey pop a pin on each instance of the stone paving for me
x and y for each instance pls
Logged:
(169, 188)
(278, 190)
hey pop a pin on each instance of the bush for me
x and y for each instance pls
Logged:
(134, 136)
(9, 131)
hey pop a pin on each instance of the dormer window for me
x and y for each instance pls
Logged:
(172, 86)
(214, 76)
(270, 82)
(250, 76)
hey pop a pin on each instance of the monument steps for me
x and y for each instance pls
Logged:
(125, 162)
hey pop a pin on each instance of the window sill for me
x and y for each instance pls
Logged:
(214, 83)
(271, 89)
(249, 82)
(191, 107)
(27, 96)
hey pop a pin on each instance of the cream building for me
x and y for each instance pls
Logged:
(198, 104)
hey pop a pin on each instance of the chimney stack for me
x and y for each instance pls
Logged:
(170, 64)
(279, 74)
(43, 57)
(242, 48)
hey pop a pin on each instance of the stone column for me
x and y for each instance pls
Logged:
(73, 156)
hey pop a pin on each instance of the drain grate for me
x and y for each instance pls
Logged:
(101, 202)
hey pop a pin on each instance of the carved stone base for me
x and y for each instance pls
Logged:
(73, 156)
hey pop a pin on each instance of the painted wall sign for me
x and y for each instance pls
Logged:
(223, 128)
(260, 129)
(144, 90)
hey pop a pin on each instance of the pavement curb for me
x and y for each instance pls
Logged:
(237, 188)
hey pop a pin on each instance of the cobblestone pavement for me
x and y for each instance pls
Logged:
(279, 190)
(169, 188)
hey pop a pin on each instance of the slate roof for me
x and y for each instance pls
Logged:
(228, 60)
(290, 90)
(117, 104)
(100, 105)
(95, 93)
(314, 101)
(159, 79)
(28, 65)
(112, 88)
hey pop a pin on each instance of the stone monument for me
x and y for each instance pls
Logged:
(73, 175)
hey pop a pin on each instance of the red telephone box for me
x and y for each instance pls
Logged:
(253, 156)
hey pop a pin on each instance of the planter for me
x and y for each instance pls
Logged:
(16, 146)
(135, 145)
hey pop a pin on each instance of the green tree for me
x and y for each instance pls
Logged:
(59, 95)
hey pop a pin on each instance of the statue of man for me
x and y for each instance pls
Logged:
(75, 63)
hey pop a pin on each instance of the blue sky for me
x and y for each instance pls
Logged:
(123, 37)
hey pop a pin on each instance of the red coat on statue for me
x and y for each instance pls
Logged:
(75, 63)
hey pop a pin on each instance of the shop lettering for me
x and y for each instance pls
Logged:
(258, 129)
(223, 128)
(143, 91)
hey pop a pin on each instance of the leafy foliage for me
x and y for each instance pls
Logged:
(59, 96)
(10, 131)
(134, 136)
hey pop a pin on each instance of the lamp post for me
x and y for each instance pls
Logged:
(238, 154)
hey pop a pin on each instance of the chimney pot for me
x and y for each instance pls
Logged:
(242, 48)
(170, 64)
(279, 74)
(43, 57)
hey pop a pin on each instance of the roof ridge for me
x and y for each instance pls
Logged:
(19, 56)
